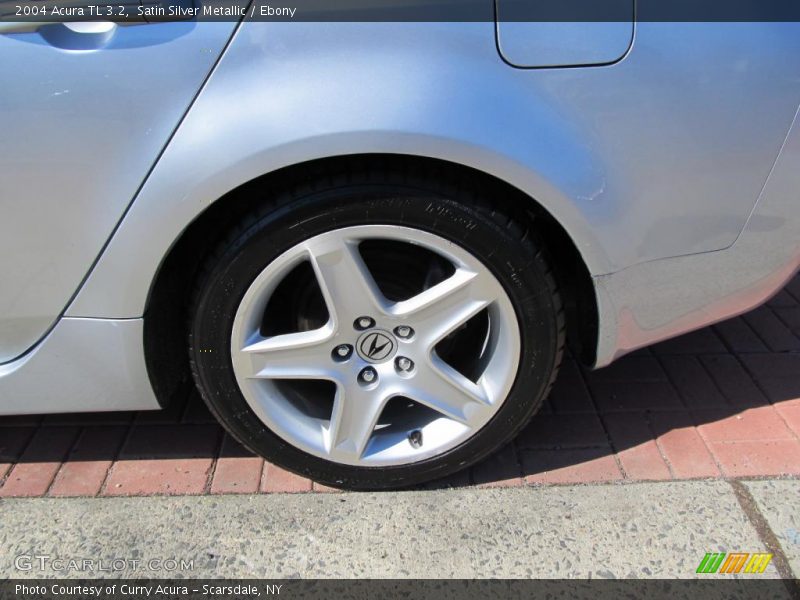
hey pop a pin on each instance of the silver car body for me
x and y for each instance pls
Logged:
(668, 153)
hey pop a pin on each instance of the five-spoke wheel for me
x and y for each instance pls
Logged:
(375, 350)
(374, 336)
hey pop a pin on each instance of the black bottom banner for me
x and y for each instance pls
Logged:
(385, 589)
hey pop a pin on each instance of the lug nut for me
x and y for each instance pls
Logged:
(364, 323)
(342, 352)
(403, 364)
(403, 331)
(368, 375)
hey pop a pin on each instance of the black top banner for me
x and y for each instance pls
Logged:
(122, 11)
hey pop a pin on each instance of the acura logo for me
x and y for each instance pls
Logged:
(376, 346)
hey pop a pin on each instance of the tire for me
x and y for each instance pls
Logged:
(268, 279)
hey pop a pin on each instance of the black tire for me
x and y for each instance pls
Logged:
(506, 245)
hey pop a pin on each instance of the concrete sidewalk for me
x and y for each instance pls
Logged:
(642, 530)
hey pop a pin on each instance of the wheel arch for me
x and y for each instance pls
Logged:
(171, 287)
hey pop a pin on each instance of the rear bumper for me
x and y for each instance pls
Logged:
(653, 301)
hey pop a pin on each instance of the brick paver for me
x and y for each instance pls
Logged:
(587, 465)
(680, 443)
(237, 471)
(791, 414)
(563, 431)
(275, 479)
(12, 442)
(720, 402)
(758, 458)
(38, 464)
(166, 459)
(87, 465)
(638, 454)
(753, 424)
(501, 469)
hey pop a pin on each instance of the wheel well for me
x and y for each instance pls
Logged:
(168, 303)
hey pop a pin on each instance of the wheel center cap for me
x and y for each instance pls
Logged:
(376, 346)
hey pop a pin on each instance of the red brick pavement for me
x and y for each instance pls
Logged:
(723, 402)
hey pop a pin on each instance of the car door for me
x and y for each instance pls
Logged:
(85, 110)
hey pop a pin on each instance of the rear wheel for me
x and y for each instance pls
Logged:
(374, 336)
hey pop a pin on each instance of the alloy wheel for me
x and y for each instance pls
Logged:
(376, 372)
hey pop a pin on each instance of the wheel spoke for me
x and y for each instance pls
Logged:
(355, 414)
(443, 389)
(443, 308)
(346, 283)
(303, 355)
